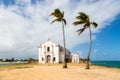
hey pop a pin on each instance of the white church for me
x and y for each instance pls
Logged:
(50, 52)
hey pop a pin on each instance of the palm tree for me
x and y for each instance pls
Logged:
(84, 19)
(60, 18)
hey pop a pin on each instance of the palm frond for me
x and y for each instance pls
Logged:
(80, 30)
(86, 25)
(57, 19)
(62, 13)
(78, 22)
(94, 24)
(64, 21)
(88, 18)
(59, 16)
(54, 14)
(53, 21)
(57, 11)
(82, 16)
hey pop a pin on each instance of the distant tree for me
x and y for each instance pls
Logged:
(12, 60)
(30, 60)
(84, 19)
(6, 60)
(21, 60)
(1, 60)
(59, 17)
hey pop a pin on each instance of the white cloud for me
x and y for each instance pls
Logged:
(24, 27)
(95, 51)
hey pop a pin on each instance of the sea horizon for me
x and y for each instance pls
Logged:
(112, 64)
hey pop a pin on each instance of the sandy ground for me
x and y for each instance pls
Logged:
(58, 73)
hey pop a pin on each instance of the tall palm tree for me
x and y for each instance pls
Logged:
(59, 17)
(84, 19)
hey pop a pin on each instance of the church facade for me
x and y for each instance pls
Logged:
(50, 52)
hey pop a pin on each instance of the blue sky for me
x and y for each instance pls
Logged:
(26, 23)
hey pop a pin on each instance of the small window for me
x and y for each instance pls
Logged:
(48, 49)
(42, 59)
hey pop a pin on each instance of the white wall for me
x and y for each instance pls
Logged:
(54, 52)
(75, 58)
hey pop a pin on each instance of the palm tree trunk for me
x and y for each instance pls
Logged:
(89, 50)
(65, 63)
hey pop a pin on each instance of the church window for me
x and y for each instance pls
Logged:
(48, 49)
(42, 59)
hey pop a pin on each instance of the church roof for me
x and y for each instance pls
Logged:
(49, 42)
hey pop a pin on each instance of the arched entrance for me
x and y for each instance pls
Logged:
(53, 59)
(48, 58)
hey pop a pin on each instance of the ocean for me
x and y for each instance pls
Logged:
(114, 64)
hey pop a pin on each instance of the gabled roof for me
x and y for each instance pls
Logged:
(48, 42)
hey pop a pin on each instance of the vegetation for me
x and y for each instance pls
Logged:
(31, 60)
(84, 19)
(60, 18)
(16, 66)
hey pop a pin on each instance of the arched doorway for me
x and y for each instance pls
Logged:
(48, 58)
(53, 59)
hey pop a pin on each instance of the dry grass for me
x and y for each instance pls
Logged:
(9, 67)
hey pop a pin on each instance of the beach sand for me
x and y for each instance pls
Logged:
(37, 72)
